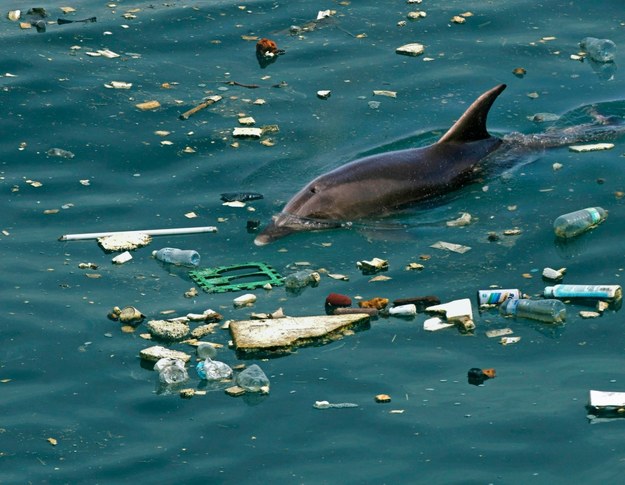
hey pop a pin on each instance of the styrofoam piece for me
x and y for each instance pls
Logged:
(456, 310)
(602, 399)
(433, 324)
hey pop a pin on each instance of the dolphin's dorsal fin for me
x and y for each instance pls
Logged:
(472, 124)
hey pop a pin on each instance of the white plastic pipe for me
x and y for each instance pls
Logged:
(149, 232)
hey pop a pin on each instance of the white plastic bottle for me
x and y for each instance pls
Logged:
(608, 292)
(575, 223)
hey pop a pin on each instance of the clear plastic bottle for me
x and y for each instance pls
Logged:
(302, 278)
(184, 257)
(213, 370)
(205, 350)
(599, 50)
(171, 371)
(253, 379)
(548, 311)
(575, 223)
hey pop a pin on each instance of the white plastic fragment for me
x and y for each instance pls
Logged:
(375, 264)
(234, 203)
(322, 14)
(499, 332)
(509, 340)
(463, 220)
(554, 274)
(414, 49)
(243, 300)
(108, 53)
(324, 93)
(456, 248)
(328, 405)
(118, 85)
(383, 92)
(122, 258)
(591, 147)
(14, 15)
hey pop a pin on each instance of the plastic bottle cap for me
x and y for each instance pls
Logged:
(548, 291)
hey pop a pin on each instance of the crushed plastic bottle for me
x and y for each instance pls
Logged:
(171, 371)
(183, 257)
(253, 379)
(302, 278)
(599, 50)
(548, 311)
(575, 223)
(213, 370)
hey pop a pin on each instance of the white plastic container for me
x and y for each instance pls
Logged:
(608, 292)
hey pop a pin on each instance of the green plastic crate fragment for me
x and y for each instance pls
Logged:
(247, 276)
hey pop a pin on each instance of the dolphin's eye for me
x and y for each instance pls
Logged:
(313, 189)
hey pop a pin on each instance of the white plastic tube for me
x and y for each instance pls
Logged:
(149, 232)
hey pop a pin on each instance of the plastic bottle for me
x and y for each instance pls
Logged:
(253, 379)
(496, 297)
(599, 50)
(171, 371)
(408, 310)
(548, 311)
(213, 370)
(184, 257)
(608, 292)
(205, 350)
(575, 223)
(302, 278)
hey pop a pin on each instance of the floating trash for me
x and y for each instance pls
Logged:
(373, 265)
(124, 241)
(171, 371)
(182, 257)
(253, 379)
(599, 50)
(547, 311)
(168, 330)
(414, 49)
(575, 223)
(247, 276)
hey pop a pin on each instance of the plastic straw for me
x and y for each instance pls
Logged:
(149, 232)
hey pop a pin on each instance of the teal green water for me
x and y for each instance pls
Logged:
(69, 373)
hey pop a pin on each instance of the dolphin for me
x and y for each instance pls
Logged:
(385, 182)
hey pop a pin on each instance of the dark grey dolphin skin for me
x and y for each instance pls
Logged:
(381, 183)
(384, 182)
